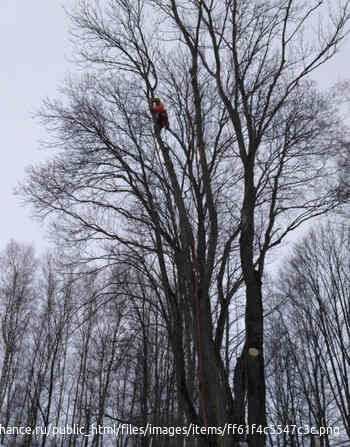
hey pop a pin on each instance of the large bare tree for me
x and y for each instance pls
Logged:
(196, 210)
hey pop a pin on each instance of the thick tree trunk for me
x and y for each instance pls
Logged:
(255, 374)
(254, 314)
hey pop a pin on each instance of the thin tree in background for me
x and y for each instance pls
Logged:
(18, 266)
(314, 334)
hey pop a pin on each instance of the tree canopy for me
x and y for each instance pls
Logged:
(193, 213)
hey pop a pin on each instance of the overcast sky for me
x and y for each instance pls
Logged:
(35, 49)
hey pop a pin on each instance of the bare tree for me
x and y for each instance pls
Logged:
(18, 267)
(314, 333)
(195, 211)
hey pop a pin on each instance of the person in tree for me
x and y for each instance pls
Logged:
(161, 116)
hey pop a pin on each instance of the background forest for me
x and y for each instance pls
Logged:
(169, 299)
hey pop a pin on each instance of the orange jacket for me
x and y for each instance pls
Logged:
(158, 108)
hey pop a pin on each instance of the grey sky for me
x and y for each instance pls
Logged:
(34, 50)
(34, 45)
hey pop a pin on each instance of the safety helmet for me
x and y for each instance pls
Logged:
(156, 100)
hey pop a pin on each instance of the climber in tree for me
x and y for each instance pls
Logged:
(161, 116)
